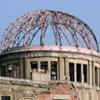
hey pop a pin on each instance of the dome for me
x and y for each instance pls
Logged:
(47, 27)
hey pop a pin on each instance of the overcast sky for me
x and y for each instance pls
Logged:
(86, 10)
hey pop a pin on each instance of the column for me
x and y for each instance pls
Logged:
(82, 75)
(58, 68)
(89, 74)
(27, 68)
(39, 67)
(21, 69)
(61, 65)
(93, 73)
(49, 71)
(66, 67)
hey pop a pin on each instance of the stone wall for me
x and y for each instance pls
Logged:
(59, 91)
(18, 89)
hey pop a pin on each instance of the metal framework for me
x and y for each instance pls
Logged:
(66, 30)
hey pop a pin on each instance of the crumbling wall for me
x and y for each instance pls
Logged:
(58, 91)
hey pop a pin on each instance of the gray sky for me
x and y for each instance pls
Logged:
(86, 10)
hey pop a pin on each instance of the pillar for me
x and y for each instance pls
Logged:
(39, 67)
(61, 67)
(21, 69)
(82, 75)
(49, 71)
(93, 73)
(89, 74)
(27, 68)
(66, 67)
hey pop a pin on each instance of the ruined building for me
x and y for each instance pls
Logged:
(49, 55)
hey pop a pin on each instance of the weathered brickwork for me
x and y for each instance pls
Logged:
(58, 91)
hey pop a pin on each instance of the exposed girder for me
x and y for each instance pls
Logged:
(66, 29)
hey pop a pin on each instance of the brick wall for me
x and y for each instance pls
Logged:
(58, 91)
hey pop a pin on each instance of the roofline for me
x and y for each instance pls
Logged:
(50, 48)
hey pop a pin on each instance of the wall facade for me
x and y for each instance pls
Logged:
(15, 89)
(80, 69)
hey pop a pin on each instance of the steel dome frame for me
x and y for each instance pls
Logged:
(23, 30)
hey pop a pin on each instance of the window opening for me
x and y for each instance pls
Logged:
(85, 72)
(78, 68)
(16, 70)
(71, 71)
(9, 71)
(5, 98)
(3, 71)
(44, 66)
(34, 66)
(53, 70)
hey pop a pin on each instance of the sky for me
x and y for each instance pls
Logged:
(86, 10)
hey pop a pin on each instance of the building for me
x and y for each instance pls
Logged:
(49, 55)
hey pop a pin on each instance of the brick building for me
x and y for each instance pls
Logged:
(49, 55)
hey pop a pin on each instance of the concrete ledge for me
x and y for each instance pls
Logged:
(23, 82)
(51, 48)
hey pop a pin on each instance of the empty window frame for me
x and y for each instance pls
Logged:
(96, 76)
(6, 71)
(44, 66)
(3, 71)
(71, 71)
(78, 70)
(85, 73)
(5, 98)
(53, 70)
(9, 70)
(34, 66)
(16, 71)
